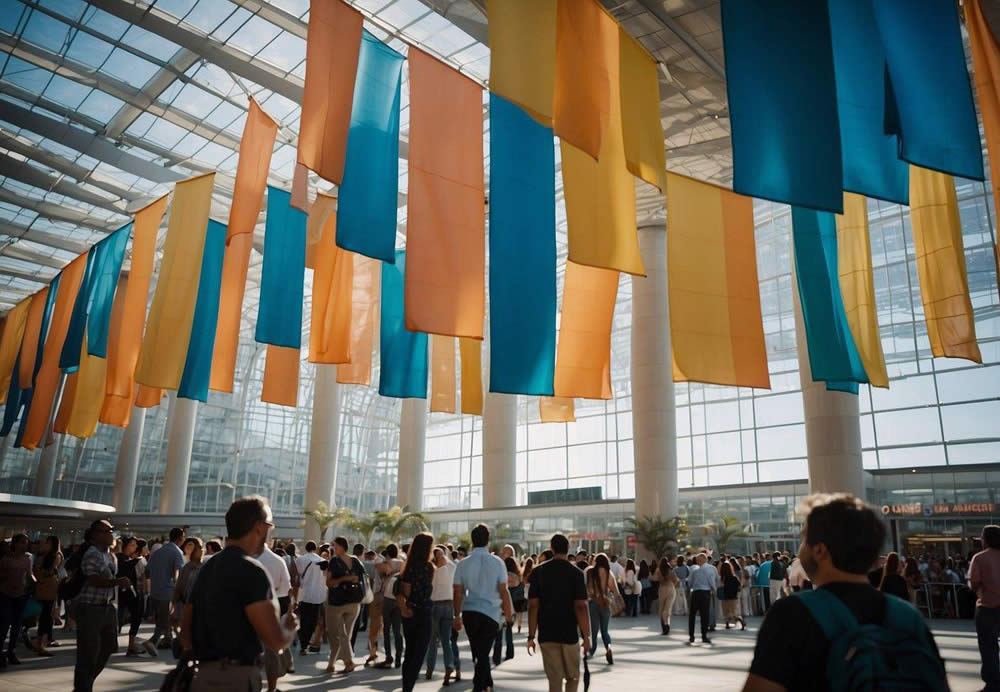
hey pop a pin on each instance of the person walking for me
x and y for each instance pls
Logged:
(130, 600)
(776, 577)
(163, 567)
(892, 581)
(480, 595)
(46, 571)
(984, 579)
(668, 586)
(414, 600)
(345, 580)
(15, 576)
(442, 617)
(602, 588)
(704, 580)
(682, 571)
(312, 593)
(632, 589)
(558, 613)
(371, 562)
(392, 622)
(516, 588)
(730, 595)
(276, 662)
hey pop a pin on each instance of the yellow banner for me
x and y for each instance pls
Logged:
(556, 409)
(472, 376)
(320, 213)
(583, 355)
(32, 333)
(10, 343)
(333, 278)
(642, 128)
(523, 54)
(281, 376)
(443, 374)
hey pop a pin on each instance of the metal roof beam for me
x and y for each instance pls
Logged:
(55, 212)
(29, 175)
(152, 90)
(26, 255)
(18, 274)
(655, 8)
(43, 238)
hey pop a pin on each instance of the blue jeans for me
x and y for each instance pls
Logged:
(599, 617)
(442, 616)
(987, 633)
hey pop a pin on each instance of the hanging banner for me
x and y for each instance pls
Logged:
(13, 403)
(716, 329)
(402, 353)
(256, 147)
(583, 360)
(472, 376)
(332, 43)
(642, 129)
(443, 374)
(69, 359)
(857, 288)
(369, 195)
(320, 214)
(198, 365)
(786, 148)
(522, 252)
(33, 336)
(103, 282)
(522, 37)
(235, 263)
(148, 397)
(279, 315)
(300, 188)
(556, 409)
(168, 327)
(281, 376)
(10, 344)
(330, 323)
(944, 285)
(364, 318)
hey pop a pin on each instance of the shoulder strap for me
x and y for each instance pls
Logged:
(829, 612)
(900, 615)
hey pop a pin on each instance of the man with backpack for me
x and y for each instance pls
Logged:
(776, 577)
(844, 634)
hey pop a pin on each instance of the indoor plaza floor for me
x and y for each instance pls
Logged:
(644, 660)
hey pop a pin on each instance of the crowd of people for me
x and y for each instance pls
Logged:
(238, 606)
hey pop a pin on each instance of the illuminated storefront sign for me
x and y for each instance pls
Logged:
(919, 509)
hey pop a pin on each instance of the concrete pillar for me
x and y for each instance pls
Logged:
(833, 430)
(51, 445)
(499, 450)
(180, 440)
(653, 422)
(127, 470)
(324, 444)
(412, 438)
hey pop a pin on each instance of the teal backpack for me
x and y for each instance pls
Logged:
(895, 655)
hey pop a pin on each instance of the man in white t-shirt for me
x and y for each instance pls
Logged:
(276, 664)
(312, 593)
(617, 570)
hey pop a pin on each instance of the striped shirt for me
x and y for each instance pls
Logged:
(100, 563)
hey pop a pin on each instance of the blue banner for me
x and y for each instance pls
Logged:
(928, 95)
(783, 102)
(279, 314)
(14, 401)
(27, 394)
(368, 198)
(522, 252)
(103, 282)
(833, 357)
(198, 365)
(69, 357)
(402, 353)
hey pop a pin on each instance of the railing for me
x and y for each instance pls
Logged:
(934, 599)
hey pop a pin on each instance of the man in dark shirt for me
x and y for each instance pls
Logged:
(557, 610)
(232, 613)
(841, 539)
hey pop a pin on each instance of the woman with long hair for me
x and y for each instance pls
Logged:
(730, 595)
(601, 588)
(668, 584)
(46, 570)
(646, 594)
(515, 584)
(892, 581)
(632, 589)
(129, 600)
(914, 578)
(414, 601)
(529, 565)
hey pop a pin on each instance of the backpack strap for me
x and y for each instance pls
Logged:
(901, 615)
(829, 612)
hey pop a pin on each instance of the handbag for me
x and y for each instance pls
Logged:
(369, 592)
(616, 602)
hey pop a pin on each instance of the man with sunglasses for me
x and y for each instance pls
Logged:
(233, 613)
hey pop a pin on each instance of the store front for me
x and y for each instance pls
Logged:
(943, 529)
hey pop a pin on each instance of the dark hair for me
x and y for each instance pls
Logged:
(49, 561)
(643, 570)
(140, 544)
(601, 560)
(176, 533)
(630, 565)
(559, 543)
(243, 515)
(776, 555)
(851, 531)
(512, 567)
(529, 565)
(310, 546)
(891, 567)
(215, 546)
(392, 550)
(290, 548)
(548, 554)
(342, 542)
(664, 567)
(726, 570)
(419, 553)
(991, 536)
(680, 559)
(480, 536)
(359, 549)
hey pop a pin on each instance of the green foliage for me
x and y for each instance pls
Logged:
(326, 517)
(722, 530)
(661, 537)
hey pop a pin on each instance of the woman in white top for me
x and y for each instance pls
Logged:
(632, 589)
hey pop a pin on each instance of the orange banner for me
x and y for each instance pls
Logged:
(332, 46)
(642, 128)
(148, 397)
(472, 376)
(256, 147)
(49, 375)
(82, 397)
(281, 376)
(66, 403)
(333, 278)
(235, 263)
(443, 374)
(583, 355)
(29, 345)
(10, 343)
(300, 188)
(556, 409)
(320, 212)
(445, 289)
(128, 315)
(364, 318)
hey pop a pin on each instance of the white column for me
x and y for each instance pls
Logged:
(653, 422)
(499, 450)
(180, 440)
(412, 437)
(5, 444)
(127, 470)
(324, 444)
(833, 430)
(51, 444)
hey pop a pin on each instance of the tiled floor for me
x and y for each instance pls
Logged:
(644, 660)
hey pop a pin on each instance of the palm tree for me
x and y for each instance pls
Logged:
(398, 520)
(723, 530)
(657, 535)
(367, 526)
(325, 517)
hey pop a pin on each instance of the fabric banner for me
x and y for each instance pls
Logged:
(944, 285)
(833, 356)
(256, 147)
(281, 376)
(642, 129)
(300, 188)
(319, 216)
(716, 329)
(586, 75)
(364, 319)
(522, 37)
(446, 224)
(332, 299)
(522, 252)
(10, 344)
(103, 282)
(583, 360)
(198, 364)
(857, 287)
(69, 358)
(986, 72)
(84, 397)
(870, 157)
(556, 409)
(369, 195)
(600, 195)
(13, 402)
(44, 308)
(443, 374)
(61, 420)
(128, 318)
(168, 327)
(148, 397)
(332, 44)
(786, 148)
(235, 263)
(47, 379)
(928, 96)
(472, 376)
(33, 336)
(402, 353)
(279, 314)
